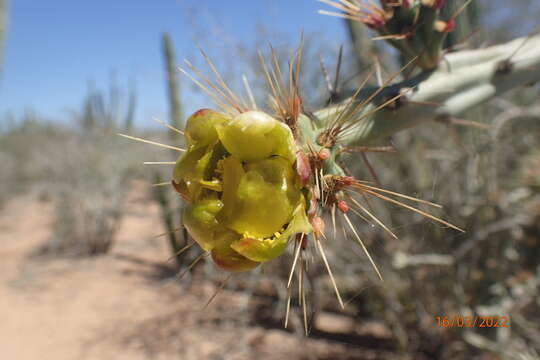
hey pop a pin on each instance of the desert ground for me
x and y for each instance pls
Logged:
(128, 304)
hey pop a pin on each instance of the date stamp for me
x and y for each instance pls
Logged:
(458, 321)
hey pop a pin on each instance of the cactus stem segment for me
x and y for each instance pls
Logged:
(414, 27)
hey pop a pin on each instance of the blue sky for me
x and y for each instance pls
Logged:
(54, 48)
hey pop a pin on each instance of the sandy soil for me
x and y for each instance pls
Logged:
(125, 305)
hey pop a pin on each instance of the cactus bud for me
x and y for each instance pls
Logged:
(435, 4)
(324, 154)
(318, 225)
(445, 26)
(374, 21)
(343, 206)
(193, 167)
(303, 167)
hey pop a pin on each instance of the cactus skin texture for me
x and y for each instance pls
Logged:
(239, 177)
(416, 28)
(462, 81)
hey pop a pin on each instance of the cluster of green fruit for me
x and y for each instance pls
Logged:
(245, 198)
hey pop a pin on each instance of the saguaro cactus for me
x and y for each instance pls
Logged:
(168, 205)
(173, 89)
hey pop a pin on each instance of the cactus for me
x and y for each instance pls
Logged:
(175, 108)
(235, 156)
(466, 23)
(256, 181)
(362, 46)
(131, 105)
(231, 167)
(169, 206)
(414, 27)
(103, 110)
(462, 81)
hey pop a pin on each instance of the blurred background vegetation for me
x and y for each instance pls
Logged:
(486, 177)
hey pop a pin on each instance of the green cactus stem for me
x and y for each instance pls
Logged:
(463, 80)
(414, 27)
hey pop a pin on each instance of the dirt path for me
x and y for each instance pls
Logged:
(59, 309)
(121, 306)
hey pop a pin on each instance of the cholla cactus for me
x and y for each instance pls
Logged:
(415, 28)
(254, 182)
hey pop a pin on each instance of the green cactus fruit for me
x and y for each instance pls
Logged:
(189, 169)
(261, 200)
(200, 220)
(195, 170)
(239, 178)
(254, 135)
(201, 127)
(267, 249)
(228, 259)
